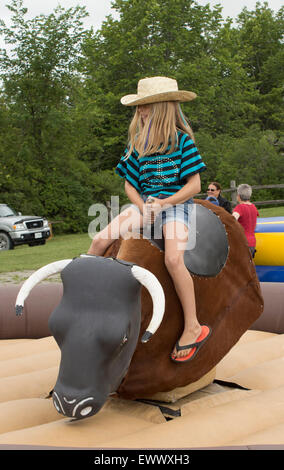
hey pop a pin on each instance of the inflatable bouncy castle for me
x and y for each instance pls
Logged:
(269, 265)
(269, 258)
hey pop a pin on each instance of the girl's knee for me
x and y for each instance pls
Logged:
(99, 244)
(174, 261)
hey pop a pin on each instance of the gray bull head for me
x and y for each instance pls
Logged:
(96, 325)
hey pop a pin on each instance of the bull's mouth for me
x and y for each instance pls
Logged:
(76, 409)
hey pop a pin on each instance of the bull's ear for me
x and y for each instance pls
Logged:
(35, 278)
(148, 280)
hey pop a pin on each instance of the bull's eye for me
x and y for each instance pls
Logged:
(124, 340)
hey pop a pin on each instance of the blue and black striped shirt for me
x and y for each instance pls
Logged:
(162, 174)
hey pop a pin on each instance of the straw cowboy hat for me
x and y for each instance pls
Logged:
(155, 90)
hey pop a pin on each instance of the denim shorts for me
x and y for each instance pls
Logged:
(178, 213)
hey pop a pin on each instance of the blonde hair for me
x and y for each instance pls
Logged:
(159, 131)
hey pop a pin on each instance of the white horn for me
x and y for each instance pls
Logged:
(35, 278)
(156, 291)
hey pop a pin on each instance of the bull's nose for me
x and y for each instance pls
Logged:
(75, 408)
(84, 408)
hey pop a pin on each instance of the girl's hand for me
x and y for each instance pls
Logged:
(153, 207)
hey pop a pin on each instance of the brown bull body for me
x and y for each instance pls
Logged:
(229, 302)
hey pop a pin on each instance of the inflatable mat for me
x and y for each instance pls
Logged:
(247, 414)
(214, 416)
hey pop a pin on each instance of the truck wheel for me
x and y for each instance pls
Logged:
(5, 242)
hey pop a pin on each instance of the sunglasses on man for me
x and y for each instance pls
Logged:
(209, 189)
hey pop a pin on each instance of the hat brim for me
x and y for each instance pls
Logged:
(135, 100)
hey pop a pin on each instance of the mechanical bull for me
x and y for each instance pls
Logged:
(101, 323)
(96, 326)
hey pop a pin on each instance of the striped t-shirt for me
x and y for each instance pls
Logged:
(162, 174)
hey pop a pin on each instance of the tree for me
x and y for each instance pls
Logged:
(40, 81)
(153, 37)
(63, 128)
(254, 159)
(261, 35)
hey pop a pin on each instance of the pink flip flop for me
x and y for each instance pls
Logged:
(205, 333)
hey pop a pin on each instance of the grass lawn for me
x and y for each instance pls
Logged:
(59, 247)
(271, 212)
(33, 257)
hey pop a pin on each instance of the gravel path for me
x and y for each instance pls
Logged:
(17, 277)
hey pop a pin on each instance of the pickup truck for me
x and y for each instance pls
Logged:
(17, 229)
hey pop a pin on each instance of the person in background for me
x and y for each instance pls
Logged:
(213, 200)
(214, 190)
(246, 213)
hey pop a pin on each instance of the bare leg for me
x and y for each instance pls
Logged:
(129, 220)
(176, 234)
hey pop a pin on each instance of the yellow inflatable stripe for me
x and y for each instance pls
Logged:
(270, 249)
(272, 223)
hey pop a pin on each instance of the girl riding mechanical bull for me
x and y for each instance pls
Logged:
(162, 167)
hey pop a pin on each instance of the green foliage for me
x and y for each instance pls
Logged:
(261, 36)
(252, 158)
(63, 129)
(41, 135)
(107, 183)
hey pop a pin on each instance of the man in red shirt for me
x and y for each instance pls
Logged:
(246, 213)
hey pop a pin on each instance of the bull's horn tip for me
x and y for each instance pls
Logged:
(146, 336)
(19, 310)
